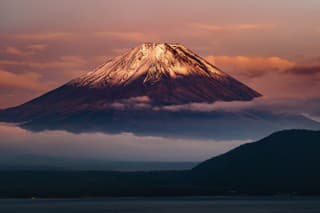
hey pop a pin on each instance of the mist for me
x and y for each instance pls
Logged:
(21, 147)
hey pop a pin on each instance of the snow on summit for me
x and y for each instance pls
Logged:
(152, 60)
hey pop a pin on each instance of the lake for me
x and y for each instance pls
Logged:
(168, 205)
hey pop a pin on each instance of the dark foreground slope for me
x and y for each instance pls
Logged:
(287, 162)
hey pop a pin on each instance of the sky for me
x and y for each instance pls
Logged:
(272, 46)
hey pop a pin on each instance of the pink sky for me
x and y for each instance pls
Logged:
(273, 46)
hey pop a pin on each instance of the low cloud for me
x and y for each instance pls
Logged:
(216, 106)
(303, 106)
(139, 102)
(312, 117)
(122, 147)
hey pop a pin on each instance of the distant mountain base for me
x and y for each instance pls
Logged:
(248, 124)
(286, 162)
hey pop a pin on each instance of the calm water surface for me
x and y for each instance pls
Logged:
(167, 205)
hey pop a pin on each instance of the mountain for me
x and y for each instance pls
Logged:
(166, 74)
(129, 93)
(286, 162)
(287, 148)
(152, 74)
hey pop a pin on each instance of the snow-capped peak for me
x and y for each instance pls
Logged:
(151, 74)
(149, 62)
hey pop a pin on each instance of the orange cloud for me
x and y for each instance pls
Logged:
(37, 47)
(30, 50)
(272, 76)
(13, 51)
(250, 66)
(41, 36)
(236, 27)
(28, 80)
(64, 62)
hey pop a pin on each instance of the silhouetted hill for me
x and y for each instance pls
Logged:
(286, 162)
